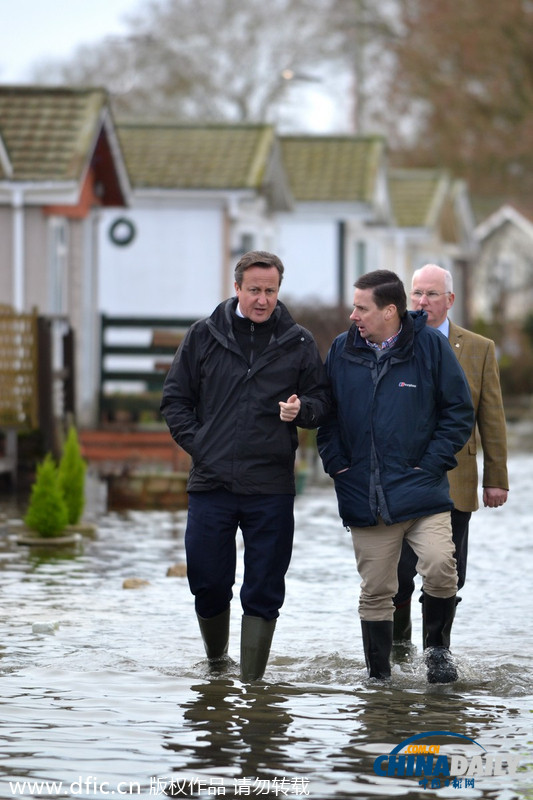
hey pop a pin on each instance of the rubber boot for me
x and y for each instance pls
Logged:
(215, 634)
(377, 644)
(256, 638)
(438, 614)
(421, 599)
(402, 623)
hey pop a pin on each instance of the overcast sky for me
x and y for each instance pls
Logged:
(33, 29)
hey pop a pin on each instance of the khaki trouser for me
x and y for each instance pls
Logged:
(377, 552)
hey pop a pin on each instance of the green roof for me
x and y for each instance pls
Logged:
(49, 133)
(332, 168)
(176, 156)
(416, 195)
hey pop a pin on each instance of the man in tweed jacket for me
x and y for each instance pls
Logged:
(432, 291)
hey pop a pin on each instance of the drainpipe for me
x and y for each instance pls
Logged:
(18, 249)
(341, 261)
(401, 259)
(231, 216)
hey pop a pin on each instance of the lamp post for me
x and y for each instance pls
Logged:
(288, 77)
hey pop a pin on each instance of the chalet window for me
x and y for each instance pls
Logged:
(57, 259)
(246, 243)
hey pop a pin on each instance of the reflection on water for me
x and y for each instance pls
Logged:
(104, 687)
(249, 721)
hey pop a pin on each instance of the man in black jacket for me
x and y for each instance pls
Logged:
(240, 384)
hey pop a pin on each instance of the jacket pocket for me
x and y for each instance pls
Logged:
(197, 443)
(413, 492)
(351, 487)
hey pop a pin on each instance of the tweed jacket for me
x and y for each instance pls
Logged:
(477, 357)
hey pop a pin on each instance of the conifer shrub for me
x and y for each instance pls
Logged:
(71, 473)
(47, 511)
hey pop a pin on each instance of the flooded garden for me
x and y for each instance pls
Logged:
(105, 690)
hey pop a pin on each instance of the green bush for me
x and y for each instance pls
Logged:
(47, 512)
(71, 473)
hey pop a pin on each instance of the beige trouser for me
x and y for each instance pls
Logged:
(377, 552)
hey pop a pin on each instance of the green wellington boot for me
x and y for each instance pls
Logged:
(215, 634)
(256, 638)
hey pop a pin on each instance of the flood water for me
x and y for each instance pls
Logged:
(104, 691)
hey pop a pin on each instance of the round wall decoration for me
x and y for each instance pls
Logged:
(122, 231)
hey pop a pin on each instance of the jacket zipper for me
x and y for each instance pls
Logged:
(252, 329)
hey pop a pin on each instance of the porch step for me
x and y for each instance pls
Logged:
(113, 452)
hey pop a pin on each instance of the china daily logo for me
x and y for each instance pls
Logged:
(434, 769)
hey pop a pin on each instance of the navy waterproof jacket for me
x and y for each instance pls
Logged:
(225, 413)
(409, 409)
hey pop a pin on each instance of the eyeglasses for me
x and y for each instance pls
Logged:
(418, 295)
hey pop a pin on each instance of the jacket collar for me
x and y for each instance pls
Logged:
(221, 319)
(412, 322)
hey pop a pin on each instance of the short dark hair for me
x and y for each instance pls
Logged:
(257, 258)
(387, 289)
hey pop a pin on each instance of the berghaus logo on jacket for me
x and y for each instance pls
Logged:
(404, 385)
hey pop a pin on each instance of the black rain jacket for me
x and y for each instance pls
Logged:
(225, 413)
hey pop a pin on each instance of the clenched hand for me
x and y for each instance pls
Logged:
(289, 411)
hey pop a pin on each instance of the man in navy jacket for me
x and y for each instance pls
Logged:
(403, 409)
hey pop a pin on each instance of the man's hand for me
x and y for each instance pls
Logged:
(494, 498)
(289, 411)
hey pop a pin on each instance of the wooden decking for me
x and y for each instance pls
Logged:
(113, 452)
(142, 469)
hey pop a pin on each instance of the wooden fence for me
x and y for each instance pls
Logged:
(36, 380)
(133, 384)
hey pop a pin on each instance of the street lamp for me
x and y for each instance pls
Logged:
(289, 75)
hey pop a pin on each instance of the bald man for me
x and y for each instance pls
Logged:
(432, 291)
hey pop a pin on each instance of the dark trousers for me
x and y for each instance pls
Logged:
(408, 559)
(267, 525)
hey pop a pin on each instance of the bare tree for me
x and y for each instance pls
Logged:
(361, 32)
(203, 59)
(463, 77)
(449, 83)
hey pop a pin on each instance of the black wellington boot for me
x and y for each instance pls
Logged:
(402, 623)
(215, 634)
(438, 613)
(377, 643)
